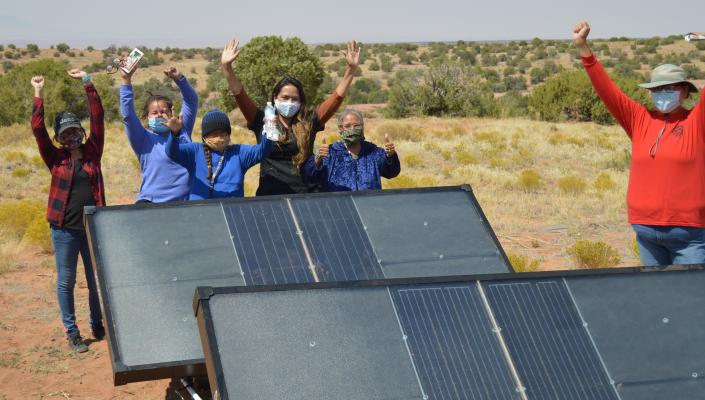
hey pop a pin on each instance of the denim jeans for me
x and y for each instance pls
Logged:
(68, 243)
(668, 245)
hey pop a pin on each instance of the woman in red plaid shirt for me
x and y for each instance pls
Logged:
(76, 181)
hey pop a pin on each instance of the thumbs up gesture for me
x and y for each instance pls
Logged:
(389, 146)
(322, 151)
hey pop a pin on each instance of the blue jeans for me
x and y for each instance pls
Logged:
(668, 245)
(67, 244)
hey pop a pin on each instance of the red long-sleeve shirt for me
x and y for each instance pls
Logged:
(60, 163)
(667, 189)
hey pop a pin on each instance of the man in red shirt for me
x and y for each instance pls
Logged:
(666, 192)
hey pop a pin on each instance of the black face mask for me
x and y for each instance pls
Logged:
(71, 141)
(352, 136)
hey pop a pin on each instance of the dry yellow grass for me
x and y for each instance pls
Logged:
(488, 154)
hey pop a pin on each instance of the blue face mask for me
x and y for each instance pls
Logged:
(155, 124)
(666, 100)
(287, 109)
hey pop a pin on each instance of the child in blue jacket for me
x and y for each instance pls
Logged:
(353, 163)
(218, 168)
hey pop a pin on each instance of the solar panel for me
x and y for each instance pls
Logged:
(649, 331)
(336, 238)
(150, 258)
(424, 233)
(599, 335)
(267, 242)
(545, 335)
(146, 260)
(452, 343)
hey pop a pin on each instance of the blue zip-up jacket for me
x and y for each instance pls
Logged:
(230, 180)
(341, 172)
(162, 179)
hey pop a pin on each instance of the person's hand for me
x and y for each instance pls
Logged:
(127, 77)
(580, 34)
(323, 151)
(352, 55)
(173, 73)
(38, 85)
(389, 146)
(173, 123)
(77, 73)
(230, 52)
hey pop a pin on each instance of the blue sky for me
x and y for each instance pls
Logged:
(198, 23)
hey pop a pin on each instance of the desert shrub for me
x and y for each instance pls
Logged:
(400, 130)
(589, 254)
(15, 156)
(571, 184)
(569, 95)
(15, 216)
(529, 180)
(522, 263)
(62, 47)
(444, 89)
(20, 172)
(464, 157)
(37, 234)
(413, 160)
(400, 182)
(618, 161)
(604, 182)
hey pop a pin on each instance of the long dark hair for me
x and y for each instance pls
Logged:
(155, 97)
(300, 123)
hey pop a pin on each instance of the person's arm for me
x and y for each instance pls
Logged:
(182, 154)
(137, 135)
(315, 170)
(244, 102)
(95, 111)
(326, 109)
(251, 155)
(389, 165)
(46, 148)
(189, 106)
(624, 109)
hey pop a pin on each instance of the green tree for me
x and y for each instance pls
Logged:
(267, 59)
(62, 47)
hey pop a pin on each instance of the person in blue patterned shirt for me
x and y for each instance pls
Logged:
(353, 163)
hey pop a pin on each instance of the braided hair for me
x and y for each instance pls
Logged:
(209, 160)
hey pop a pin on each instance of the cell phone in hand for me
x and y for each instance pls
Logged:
(132, 60)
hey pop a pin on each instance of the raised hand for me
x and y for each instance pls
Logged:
(352, 55)
(580, 34)
(389, 146)
(38, 85)
(173, 73)
(173, 122)
(76, 73)
(127, 77)
(323, 151)
(230, 52)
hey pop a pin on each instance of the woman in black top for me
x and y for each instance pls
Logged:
(280, 171)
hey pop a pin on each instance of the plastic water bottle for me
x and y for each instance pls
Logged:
(269, 129)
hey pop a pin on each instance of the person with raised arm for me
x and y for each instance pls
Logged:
(162, 179)
(666, 191)
(76, 182)
(280, 172)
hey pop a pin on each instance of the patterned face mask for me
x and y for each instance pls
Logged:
(71, 140)
(217, 143)
(287, 109)
(352, 135)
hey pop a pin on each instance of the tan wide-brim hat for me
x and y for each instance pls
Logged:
(668, 74)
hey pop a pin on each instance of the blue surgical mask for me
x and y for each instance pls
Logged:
(155, 124)
(666, 100)
(287, 109)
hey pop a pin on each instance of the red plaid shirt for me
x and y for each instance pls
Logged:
(60, 163)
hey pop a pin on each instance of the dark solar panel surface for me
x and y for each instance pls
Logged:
(267, 242)
(429, 234)
(336, 238)
(553, 353)
(323, 344)
(450, 336)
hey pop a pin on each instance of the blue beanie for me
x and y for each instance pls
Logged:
(215, 120)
